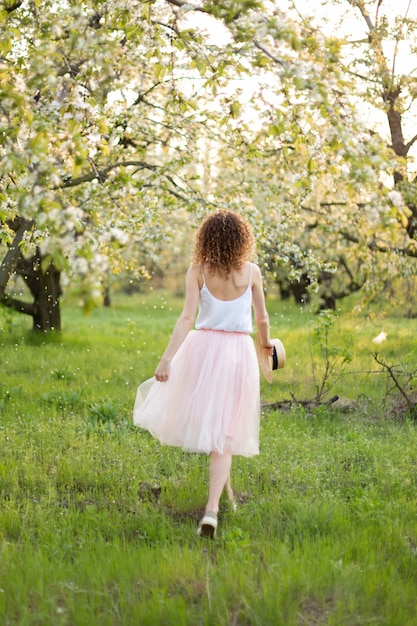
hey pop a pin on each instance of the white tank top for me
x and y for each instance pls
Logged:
(229, 315)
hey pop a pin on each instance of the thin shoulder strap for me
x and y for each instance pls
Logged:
(250, 273)
(201, 270)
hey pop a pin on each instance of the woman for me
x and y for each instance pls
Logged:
(205, 393)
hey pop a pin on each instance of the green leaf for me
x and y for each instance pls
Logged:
(235, 108)
(45, 263)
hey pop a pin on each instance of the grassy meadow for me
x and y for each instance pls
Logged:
(98, 520)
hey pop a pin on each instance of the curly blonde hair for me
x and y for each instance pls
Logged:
(224, 240)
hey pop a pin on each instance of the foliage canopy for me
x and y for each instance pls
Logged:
(121, 124)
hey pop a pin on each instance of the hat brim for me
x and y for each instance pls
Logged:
(267, 363)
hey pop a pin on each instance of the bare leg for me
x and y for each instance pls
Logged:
(231, 495)
(229, 488)
(220, 465)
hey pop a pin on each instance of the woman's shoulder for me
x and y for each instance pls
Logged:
(194, 268)
(256, 275)
(255, 268)
(194, 272)
(194, 277)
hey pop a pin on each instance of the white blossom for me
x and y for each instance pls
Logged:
(396, 198)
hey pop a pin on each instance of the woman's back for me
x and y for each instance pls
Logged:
(230, 288)
(226, 303)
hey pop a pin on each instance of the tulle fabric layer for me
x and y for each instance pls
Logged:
(211, 401)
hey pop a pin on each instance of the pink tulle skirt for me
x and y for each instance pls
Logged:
(211, 401)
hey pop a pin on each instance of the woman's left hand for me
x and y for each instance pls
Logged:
(162, 371)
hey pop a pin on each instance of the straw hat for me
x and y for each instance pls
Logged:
(269, 363)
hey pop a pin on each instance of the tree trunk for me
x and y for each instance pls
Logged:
(107, 295)
(47, 310)
(45, 287)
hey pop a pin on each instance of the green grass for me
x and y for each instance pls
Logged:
(97, 519)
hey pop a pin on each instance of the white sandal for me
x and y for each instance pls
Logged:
(208, 525)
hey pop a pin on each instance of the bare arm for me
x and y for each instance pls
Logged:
(183, 324)
(259, 307)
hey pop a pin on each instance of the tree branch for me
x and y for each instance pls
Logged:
(361, 6)
(269, 54)
(390, 92)
(141, 97)
(408, 252)
(372, 245)
(100, 173)
(410, 143)
(344, 264)
(9, 7)
(18, 305)
(394, 378)
(308, 404)
(187, 6)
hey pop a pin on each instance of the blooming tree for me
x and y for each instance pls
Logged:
(358, 216)
(99, 138)
(123, 122)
